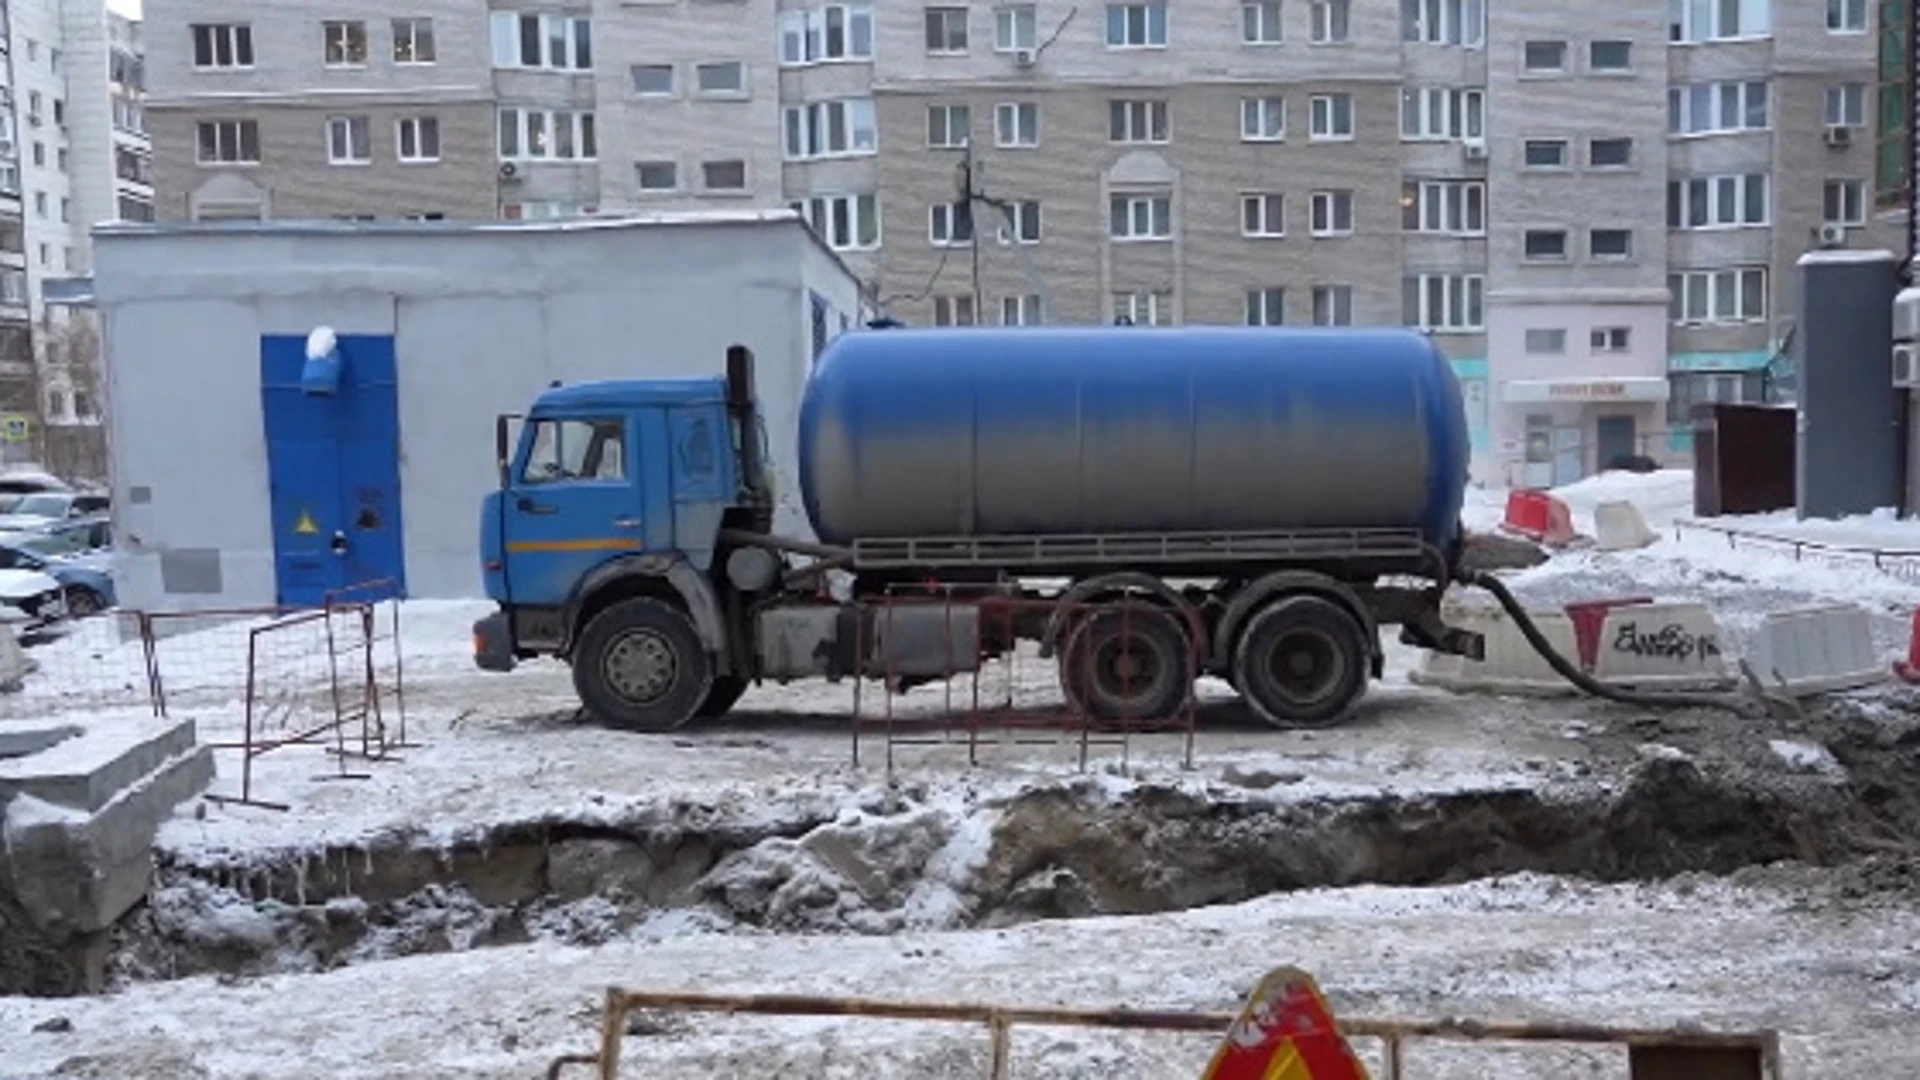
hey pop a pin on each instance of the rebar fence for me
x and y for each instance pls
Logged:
(1676, 1053)
(1115, 669)
(1903, 563)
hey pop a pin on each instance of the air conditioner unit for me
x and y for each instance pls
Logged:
(1833, 235)
(1906, 367)
(1024, 57)
(508, 170)
(1838, 135)
(1474, 150)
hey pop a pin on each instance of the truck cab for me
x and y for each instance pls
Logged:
(601, 538)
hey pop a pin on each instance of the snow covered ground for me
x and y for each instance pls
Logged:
(1833, 965)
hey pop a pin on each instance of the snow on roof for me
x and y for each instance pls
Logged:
(1844, 255)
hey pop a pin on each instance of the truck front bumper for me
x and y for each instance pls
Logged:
(493, 643)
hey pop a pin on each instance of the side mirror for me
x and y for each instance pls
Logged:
(501, 454)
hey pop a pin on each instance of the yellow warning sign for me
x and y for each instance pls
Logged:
(305, 525)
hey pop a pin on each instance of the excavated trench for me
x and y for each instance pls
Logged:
(939, 859)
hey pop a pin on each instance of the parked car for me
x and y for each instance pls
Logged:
(34, 602)
(26, 481)
(40, 507)
(85, 577)
(93, 533)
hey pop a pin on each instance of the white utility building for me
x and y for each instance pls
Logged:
(246, 473)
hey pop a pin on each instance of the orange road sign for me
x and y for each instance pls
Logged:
(1285, 1032)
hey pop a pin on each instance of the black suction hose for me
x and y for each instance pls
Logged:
(1738, 703)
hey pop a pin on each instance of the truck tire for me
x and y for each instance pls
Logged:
(640, 665)
(1302, 662)
(1128, 665)
(722, 696)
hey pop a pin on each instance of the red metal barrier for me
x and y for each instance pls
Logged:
(1014, 695)
(1527, 513)
(1909, 669)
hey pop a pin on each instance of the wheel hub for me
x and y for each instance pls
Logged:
(640, 666)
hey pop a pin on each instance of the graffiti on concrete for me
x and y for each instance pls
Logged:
(1671, 642)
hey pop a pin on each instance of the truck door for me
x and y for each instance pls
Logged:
(573, 502)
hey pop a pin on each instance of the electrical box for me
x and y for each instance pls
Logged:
(1906, 315)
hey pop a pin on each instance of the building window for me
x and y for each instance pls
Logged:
(1732, 295)
(1545, 342)
(1442, 113)
(1610, 153)
(417, 138)
(349, 140)
(1137, 26)
(135, 209)
(1263, 119)
(1707, 108)
(1844, 202)
(1610, 339)
(1444, 302)
(720, 77)
(1609, 57)
(1021, 222)
(547, 134)
(1610, 245)
(844, 222)
(413, 41)
(1544, 57)
(1544, 154)
(1448, 207)
(830, 129)
(829, 33)
(344, 44)
(950, 224)
(946, 31)
(1847, 16)
(948, 126)
(1021, 310)
(651, 80)
(1140, 217)
(542, 42)
(656, 176)
(1694, 22)
(1545, 245)
(1015, 27)
(1332, 21)
(1332, 213)
(1263, 215)
(1153, 308)
(1714, 202)
(1847, 105)
(218, 46)
(724, 175)
(1137, 121)
(1267, 307)
(1330, 116)
(1444, 22)
(1260, 23)
(229, 142)
(1333, 305)
(1711, 388)
(956, 310)
(1016, 123)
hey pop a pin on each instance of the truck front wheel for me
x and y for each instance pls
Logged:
(1302, 662)
(640, 664)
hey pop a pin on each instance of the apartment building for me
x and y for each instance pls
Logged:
(1596, 216)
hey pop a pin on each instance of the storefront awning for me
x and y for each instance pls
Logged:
(1639, 388)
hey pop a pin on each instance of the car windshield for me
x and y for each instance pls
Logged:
(55, 545)
(42, 505)
(10, 502)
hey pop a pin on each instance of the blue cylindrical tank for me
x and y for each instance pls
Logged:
(1080, 430)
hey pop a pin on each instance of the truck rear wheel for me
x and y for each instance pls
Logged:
(1131, 664)
(640, 664)
(1302, 662)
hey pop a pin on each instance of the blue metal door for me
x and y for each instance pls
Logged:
(333, 466)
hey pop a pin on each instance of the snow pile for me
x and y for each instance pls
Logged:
(321, 343)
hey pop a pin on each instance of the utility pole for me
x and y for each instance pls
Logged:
(972, 191)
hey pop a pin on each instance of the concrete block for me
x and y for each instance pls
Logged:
(1511, 666)
(1817, 650)
(1662, 645)
(15, 664)
(1618, 526)
(95, 762)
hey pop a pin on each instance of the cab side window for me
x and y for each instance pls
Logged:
(564, 450)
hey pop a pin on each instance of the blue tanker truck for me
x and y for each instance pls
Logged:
(1251, 503)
